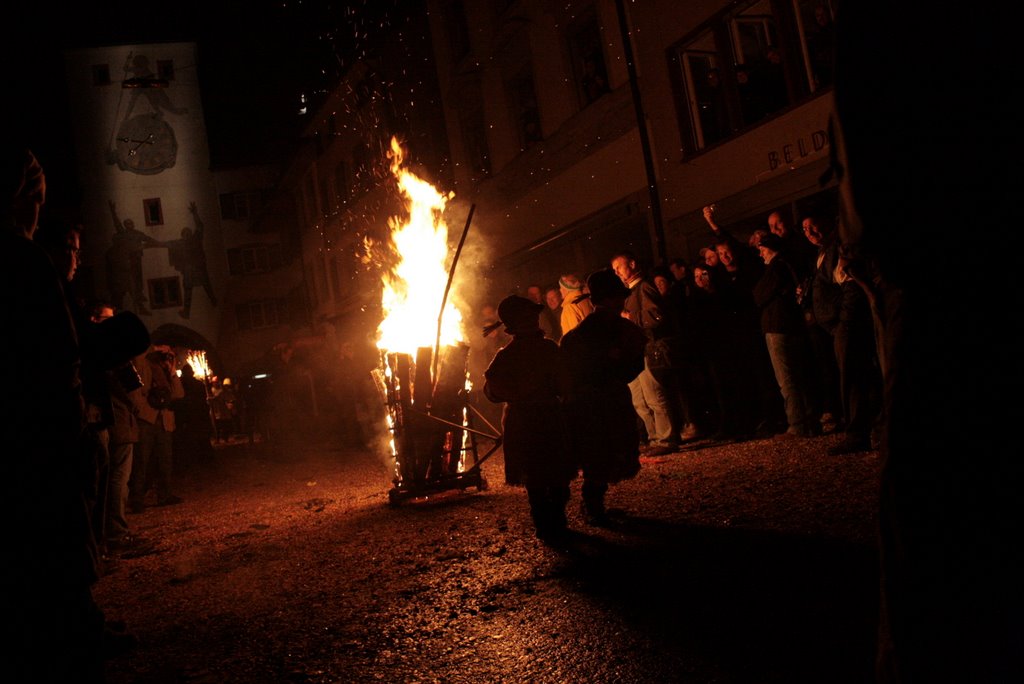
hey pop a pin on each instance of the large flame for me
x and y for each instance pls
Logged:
(197, 359)
(413, 291)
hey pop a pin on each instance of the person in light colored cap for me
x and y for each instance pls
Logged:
(574, 307)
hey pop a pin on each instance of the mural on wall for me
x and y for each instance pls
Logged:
(144, 142)
(124, 264)
(188, 257)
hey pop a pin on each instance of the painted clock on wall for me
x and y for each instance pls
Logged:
(146, 144)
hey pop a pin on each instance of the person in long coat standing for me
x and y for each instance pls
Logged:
(604, 353)
(528, 375)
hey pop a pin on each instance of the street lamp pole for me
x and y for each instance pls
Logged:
(645, 141)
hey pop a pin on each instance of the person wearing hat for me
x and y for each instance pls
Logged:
(529, 377)
(604, 353)
(782, 323)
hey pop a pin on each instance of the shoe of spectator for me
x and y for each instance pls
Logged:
(598, 519)
(850, 445)
(117, 642)
(690, 433)
(130, 546)
(107, 563)
(662, 449)
(170, 500)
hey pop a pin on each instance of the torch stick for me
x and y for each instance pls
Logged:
(444, 300)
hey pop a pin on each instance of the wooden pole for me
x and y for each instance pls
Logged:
(444, 300)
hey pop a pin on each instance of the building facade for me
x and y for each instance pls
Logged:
(542, 103)
(202, 256)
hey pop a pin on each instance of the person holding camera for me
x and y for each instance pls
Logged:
(153, 458)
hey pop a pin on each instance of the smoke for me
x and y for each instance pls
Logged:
(471, 283)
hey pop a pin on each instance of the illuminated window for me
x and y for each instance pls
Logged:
(747, 64)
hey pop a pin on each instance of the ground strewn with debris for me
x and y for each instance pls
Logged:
(746, 562)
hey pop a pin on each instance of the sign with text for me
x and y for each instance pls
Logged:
(797, 151)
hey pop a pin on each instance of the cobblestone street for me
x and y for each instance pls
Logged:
(749, 562)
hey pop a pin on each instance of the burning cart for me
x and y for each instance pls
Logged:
(434, 440)
(424, 381)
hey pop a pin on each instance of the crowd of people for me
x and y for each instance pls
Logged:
(768, 337)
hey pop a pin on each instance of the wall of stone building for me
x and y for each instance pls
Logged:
(104, 139)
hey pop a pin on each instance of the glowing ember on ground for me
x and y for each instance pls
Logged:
(413, 291)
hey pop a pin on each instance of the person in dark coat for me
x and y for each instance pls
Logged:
(192, 443)
(56, 628)
(528, 375)
(604, 353)
(951, 546)
(785, 337)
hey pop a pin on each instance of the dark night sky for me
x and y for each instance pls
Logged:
(255, 57)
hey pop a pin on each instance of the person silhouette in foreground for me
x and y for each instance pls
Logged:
(604, 353)
(50, 566)
(951, 548)
(528, 375)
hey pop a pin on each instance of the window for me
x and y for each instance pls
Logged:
(815, 22)
(361, 163)
(153, 212)
(100, 74)
(164, 293)
(326, 195)
(165, 69)
(341, 182)
(474, 132)
(743, 66)
(524, 101)
(263, 313)
(250, 259)
(587, 57)
(458, 30)
(309, 195)
(332, 273)
(365, 90)
(239, 205)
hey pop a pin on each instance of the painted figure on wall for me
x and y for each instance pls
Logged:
(144, 82)
(189, 259)
(124, 264)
